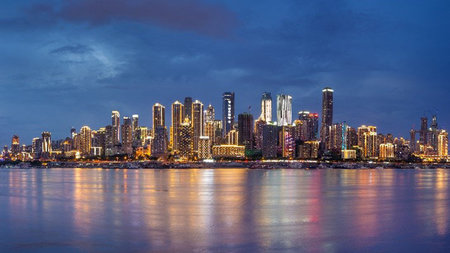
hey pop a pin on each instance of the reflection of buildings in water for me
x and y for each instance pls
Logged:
(441, 202)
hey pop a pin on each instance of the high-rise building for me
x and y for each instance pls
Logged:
(327, 115)
(46, 145)
(99, 140)
(109, 138)
(443, 144)
(85, 141)
(185, 146)
(287, 141)
(209, 114)
(232, 137)
(386, 151)
(423, 130)
(127, 136)
(258, 133)
(115, 123)
(368, 141)
(433, 134)
(245, 128)
(266, 107)
(159, 143)
(15, 145)
(270, 141)
(177, 119)
(73, 132)
(36, 148)
(188, 108)
(197, 122)
(204, 148)
(284, 110)
(227, 112)
(159, 116)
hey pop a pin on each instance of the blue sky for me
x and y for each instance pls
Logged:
(70, 63)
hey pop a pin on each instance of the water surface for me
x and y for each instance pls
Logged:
(237, 210)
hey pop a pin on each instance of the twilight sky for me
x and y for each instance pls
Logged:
(70, 63)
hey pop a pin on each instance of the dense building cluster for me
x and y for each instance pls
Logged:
(196, 134)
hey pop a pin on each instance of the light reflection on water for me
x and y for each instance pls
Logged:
(242, 210)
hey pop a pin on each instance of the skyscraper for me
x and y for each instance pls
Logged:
(46, 145)
(115, 123)
(270, 140)
(423, 130)
(127, 136)
(159, 144)
(245, 127)
(197, 122)
(327, 115)
(188, 108)
(159, 116)
(185, 146)
(85, 141)
(210, 114)
(177, 119)
(227, 112)
(266, 107)
(36, 148)
(15, 145)
(284, 110)
(443, 144)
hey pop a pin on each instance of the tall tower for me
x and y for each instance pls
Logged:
(284, 110)
(423, 130)
(227, 112)
(266, 107)
(327, 115)
(443, 144)
(197, 122)
(15, 145)
(159, 116)
(245, 126)
(127, 136)
(85, 140)
(46, 144)
(210, 114)
(115, 123)
(177, 119)
(188, 108)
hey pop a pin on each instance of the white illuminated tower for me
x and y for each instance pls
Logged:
(284, 110)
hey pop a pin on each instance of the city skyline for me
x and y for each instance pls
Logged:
(60, 67)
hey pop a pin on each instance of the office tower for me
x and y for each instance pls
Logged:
(327, 115)
(159, 145)
(227, 112)
(287, 141)
(284, 110)
(85, 141)
(185, 147)
(177, 119)
(423, 130)
(258, 133)
(367, 141)
(245, 128)
(197, 122)
(46, 145)
(338, 137)
(127, 136)
(209, 115)
(270, 141)
(159, 116)
(73, 132)
(443, 144)
(99, 141)
(15, 145)
(204, 147)
(266, 107)
(36, 148)
(115, 123)
(188, 108)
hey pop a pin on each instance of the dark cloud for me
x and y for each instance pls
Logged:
(72, 49)
(187, 15)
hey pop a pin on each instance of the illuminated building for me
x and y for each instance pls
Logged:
(338, 137)
(367, 140)
(177, 119)
(386, 151)
(308, 150)
(433, 133)
(127, 136)
(245, 128)
(443, 144)
(73, 132)
(327, 115)
(188, 108)
(218, 126)
(204, 148)
(109, 137)
(227, 112)
(115, 123)
(159, 145)
(197, 122)
(349, 154)
(258, 133)
(141, 135)
(85, 141)
(310, 123)
(134, 127)
(287, 142)
(232, 137)
(210, 131)
(46, 145)
(159, 116)
(284, 110)
(15, 145)
(209, 114)
(266, 107)
(99, 141)
(36, 147)
(185, 147)
(228, 151)
(423, 130)
(270, 141)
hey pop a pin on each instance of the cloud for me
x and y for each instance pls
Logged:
(186, 15)
(72, 49)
